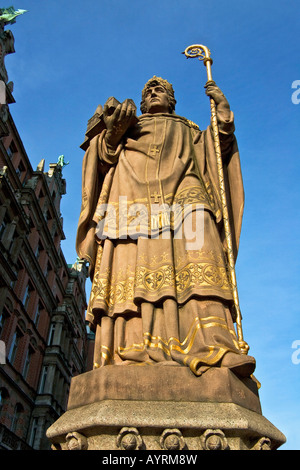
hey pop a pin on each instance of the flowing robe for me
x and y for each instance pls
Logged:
(157, 297)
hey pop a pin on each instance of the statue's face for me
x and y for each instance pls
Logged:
(157, 100)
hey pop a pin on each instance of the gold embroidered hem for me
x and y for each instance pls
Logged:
(197, 335)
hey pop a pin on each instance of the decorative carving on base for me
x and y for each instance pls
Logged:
(76, 441)
(129, 439)
(172, 439)
(264, 443)
(214, 439)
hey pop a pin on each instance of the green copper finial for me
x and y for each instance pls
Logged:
(61, 161)
(8, 15)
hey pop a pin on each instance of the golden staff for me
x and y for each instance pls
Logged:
(198, 50)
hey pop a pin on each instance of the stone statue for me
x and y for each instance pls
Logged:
(9, 15)
(61, 161)
(159, 227)
(151, 229)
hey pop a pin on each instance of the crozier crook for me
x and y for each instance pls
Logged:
(203, 53)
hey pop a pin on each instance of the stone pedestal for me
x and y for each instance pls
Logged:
(163, 408)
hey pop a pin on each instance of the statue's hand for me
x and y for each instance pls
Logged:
(214, 92)
(118, 122)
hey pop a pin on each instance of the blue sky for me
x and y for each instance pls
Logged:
(71, 56)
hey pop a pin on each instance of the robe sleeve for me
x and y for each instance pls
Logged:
(107, 153)
(226, 132)
(232, 175)
(207, 167)
(97, 172)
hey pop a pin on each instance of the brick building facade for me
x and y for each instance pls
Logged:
(42, 298)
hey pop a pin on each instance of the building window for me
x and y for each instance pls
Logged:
(27, 294)
(20, 169)
(47, 214)
(9, 242)
(34, 428)
(28, 358)
(17, 412)
(48, 270)
(43, 379)
(14, 346)
(57, 240)
(4, 395)
(11, 150)
(38, 250)
(4, 316)
(37, 314)
(51, 334)
(5, 222)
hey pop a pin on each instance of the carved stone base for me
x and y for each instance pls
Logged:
(150, 425)
(169, 409)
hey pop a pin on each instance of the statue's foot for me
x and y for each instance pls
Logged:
(239, 364)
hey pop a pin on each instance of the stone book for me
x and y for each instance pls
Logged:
(96, 123)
